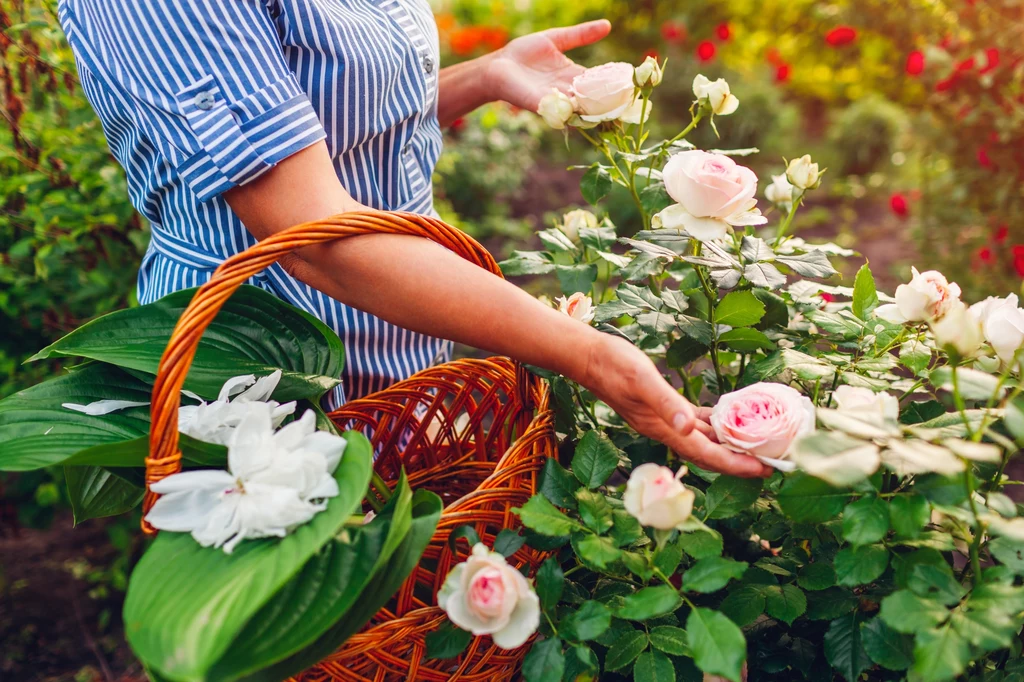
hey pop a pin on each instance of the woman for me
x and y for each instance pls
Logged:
(236, 119)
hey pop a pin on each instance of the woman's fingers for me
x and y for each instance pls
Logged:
(674, 409)
(697, 448)
(570, 37)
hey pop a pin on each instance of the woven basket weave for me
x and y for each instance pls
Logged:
(476, 432)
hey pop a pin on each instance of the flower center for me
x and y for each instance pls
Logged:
(487, 592)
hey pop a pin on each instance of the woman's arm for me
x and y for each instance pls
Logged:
(520, 73)
(421, 286)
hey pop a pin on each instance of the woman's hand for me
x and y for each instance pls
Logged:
(625, 378)
(528, 67)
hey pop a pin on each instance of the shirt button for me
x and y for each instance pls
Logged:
(428, 64)
(204, 100)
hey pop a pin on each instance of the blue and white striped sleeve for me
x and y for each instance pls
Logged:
(206, 82)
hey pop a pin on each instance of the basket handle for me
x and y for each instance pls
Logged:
(164, 456)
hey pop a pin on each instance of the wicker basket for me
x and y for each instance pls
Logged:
(477, 432)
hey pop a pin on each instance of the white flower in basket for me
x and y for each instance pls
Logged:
(216, 422)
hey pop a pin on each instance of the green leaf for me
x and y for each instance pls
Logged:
(940, 655)
(711, 575)
(1014, 418)
(830, 603)
(805, 498)
(744, 604)
(625, 650)
(649, 602)
(595, 459)
(670, 639)
(508, 542)
(915, 356)
(594, 510)
(654, 198)
(653, 666)
(464, 532)
(685, 350)
(254, 333)
(817, 576)
(746, 340)
(885, 646)
(739, 309)
(1009, 553)
(581, 664)
(545, 662)
(811, 264)
(909, 514)
(595, 184)
(540, 515)
(527, 263)
(186, 603)
(860, 565)
(776, 310)
(576, 278)
(701, 543)
(865, 296)
(906, 612)
(447, 641)
(717, 645)
(785, 603)
(595, 550)
(843, 647)
(625, 528)
(729, 495)
(588, 621)
(556, 241)
(866, 521)
(550, 583)
(95, 492)
(974, 384)
(558, 485)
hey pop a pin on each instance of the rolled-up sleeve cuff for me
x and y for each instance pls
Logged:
(239, 141)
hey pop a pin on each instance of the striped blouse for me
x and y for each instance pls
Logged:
(198, 96)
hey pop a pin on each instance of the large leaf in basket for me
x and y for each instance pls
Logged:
(186, 603)
(254, 333)
(96, 492)
(426, 511)
(321, 594)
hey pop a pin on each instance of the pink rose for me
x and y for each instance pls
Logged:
(579, 306)
(763, 420)
(928, 297)
(713, 193)
(657, 498)
(487, 596)
(604, 93)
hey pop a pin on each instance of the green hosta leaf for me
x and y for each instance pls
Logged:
(187, 603)
(550, 581)
(909, 514)
(818, 576)
(576, 278)
(701, 543)
(95, 492)
(545, 661)
(670, 639)
(785, 603)
(558, 485)
(588, 621)
(843, 647)
(940, 654)
(447, 641)
(860, 565)
(595, 550)
(595, 184)
(804, 498)
(739, 309)
(885, 646)
(746, 340)
(540, 515)
(649, 602)
(254, 333)
(729, 495)
(906, 612)
(865, 296)
(625, 650)
(653, 666)
(866, 521)
(717, 645)
(711, 575)
(595, 459)
(744, 604)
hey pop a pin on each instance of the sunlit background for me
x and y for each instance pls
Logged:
(916, 107)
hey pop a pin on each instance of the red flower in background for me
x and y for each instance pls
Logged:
(985, 254)
(783, 72)
(826, 297)
(915, 63)
(899, 206)
(991, 60)
(1002, 232)
(1018, 259)
(773, 56)
(458, 124)
(673, 31)
(652, 53)
(965, 65)
(841, 35)
(706, 51)
(984, 160)
(724, 32)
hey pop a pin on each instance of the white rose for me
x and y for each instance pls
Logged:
(927, 297)
(486, 596)
(657, 498)
(780, 192)
(714, 193)
(865, 402)
(763, 420)
(716, 94)
(1002, 321)
(605, 93)
(556, 109)
(574, 221)
(960, 330)
(803, 173)
(648, 74)
(578, 307)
